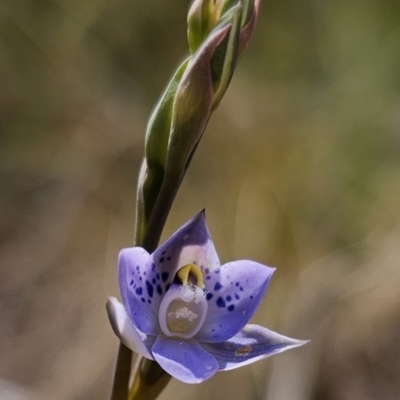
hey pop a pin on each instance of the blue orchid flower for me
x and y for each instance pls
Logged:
(185, 311)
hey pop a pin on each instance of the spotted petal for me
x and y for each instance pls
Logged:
(184, 359)
(140, 285)
(191, 244)
(129, 335)
(234, 292)
(251, 344)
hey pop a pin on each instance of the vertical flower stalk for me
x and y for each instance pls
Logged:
(218, 34)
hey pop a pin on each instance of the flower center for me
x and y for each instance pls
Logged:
(192, 274)
(182, 311)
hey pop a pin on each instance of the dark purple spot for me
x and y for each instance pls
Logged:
(149, 301)
(209, 296)
(207, 270)
(143, 300)
(139, 291)
(213, 330)
(154, 281)
(237, 283)
(231, 307)
(161, 259)
(149, 288)
(167, 287)
(137, 267)
(168, 258)
(220, 302)
(251, 297)
(131, 283)
(228, 298)
(164, 276)
(145, 272)
(217, 286)
(241, 288)
(237, 296)
(217, 271)
(208, 277)
(159, 290)
(140, 278)
(163, 253)
(158, 276)
(153, 266)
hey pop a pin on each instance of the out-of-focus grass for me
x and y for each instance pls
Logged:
(299, 168)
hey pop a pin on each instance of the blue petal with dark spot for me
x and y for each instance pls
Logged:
(149, 288)
(164, 276)
(220, 302)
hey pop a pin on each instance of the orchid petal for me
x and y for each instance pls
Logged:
(251, 344)
(184, 359)
(234, 292)
(191, 244)
(130, 336)
(141, 288)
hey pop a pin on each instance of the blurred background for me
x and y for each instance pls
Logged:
(298, 169)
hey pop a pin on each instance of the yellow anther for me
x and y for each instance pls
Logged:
(191, 269)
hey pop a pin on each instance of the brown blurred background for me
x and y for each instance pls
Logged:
(299, 169)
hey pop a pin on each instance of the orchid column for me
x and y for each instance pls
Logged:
(218, 34)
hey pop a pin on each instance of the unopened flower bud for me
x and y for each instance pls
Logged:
(200, 22)
(192, 104)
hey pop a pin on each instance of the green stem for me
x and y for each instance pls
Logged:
(149, 379)
(122, 374)
(160, 212)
